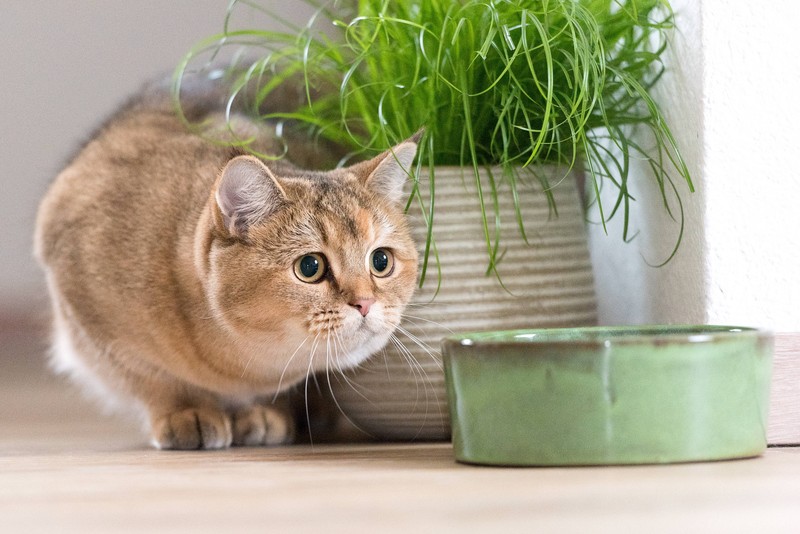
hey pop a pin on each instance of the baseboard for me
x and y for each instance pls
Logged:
(784, 410)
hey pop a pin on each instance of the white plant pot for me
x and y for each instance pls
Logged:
(546, 282)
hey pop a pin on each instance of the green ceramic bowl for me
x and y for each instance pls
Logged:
(620, 395)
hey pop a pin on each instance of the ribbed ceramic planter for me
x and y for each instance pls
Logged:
(546, 282)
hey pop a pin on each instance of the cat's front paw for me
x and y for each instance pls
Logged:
(263, 425)
(193, 428)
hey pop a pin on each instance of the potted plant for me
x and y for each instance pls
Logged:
(522, 104)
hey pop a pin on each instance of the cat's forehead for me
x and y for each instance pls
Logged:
(341, 195)
(325, 188)
(354, 225)
(338, 214)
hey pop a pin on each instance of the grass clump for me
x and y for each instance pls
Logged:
(508, 83)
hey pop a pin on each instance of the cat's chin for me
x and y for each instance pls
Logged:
(363, 338)
(362, 351)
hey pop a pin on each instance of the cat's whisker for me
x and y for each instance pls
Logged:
(332, 351)
(419, 304)
(357, 388)
(417, 370)
(337, 341)
(341, 373)
(331, 388)
(415, 319)
(422, 373)
(286, 367)
(247, 365)
(333, 337)
(432, 354)
(314, 346)
(413, 364)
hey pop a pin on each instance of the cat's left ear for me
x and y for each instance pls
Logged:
(247, 193)
(387, 173)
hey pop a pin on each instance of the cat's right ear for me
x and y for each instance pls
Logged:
(247, 193)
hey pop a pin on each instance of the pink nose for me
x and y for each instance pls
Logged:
(363, 305)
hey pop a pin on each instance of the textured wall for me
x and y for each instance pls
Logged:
(752, 113)
(731, 98)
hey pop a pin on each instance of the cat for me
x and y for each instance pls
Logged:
(194, 282)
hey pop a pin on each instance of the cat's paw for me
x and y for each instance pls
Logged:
(193, 428)
(263, 425)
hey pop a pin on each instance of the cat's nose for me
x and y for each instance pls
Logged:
(362, 305)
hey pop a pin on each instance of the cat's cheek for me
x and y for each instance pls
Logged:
(403, 284)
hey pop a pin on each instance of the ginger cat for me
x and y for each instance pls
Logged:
(195, 283)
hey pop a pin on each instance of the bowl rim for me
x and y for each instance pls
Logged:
(606, 336)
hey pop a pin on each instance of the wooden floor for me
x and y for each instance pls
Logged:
(65, 468)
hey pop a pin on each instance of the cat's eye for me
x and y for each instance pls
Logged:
(310, 268)
(381, 262)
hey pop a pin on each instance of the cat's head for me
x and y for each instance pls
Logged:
(319, 266)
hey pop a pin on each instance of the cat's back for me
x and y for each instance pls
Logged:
(113, 223)
(142, 165)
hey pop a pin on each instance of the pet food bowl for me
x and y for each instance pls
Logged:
(608, 395)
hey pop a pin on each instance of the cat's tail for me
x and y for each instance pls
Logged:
(195, 94)
(199, 94)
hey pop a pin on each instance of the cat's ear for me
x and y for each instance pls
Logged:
(387, 173)
(247, 193)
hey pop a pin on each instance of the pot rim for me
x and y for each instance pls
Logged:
(604, 336)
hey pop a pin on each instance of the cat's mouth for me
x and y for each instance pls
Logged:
(349, 321)
(350, 330)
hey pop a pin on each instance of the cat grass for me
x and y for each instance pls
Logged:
(511, 84)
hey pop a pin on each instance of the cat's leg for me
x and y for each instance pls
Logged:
(263, 424)
(196, 427)
(181, 417)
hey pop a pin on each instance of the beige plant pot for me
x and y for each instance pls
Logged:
(400, 394)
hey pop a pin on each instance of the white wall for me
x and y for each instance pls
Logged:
(64, 66)
(752, 117)
(730, 98)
